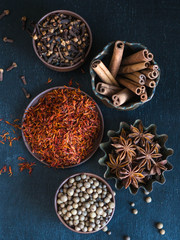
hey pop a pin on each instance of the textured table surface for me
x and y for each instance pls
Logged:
(26, 202)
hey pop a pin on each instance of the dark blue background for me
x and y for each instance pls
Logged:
(27, 202)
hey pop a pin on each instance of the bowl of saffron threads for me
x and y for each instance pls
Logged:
(62, 127)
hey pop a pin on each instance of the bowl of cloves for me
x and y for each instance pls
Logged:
(62, 40)
(124, 75)
(135, 156)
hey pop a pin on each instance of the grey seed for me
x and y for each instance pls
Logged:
(101, 204)
(64, 198)
(104, 186)
(71, 180)
(76, 199)
(108, 232)
(159, 225)
(127, 238)
(135, 211)
(77, 228)
(99, 211)
(105, 229)
(74, 212)
(79, 185)
(95, 195)
(59, 201)
(111, 205)
(87, 185)
(93, 208)
(106, 200)
(148, 199)
(76, 217)
(93, 187)
(84, 229)
(89, 190)
(132, 204)
(64, 210)
(81, 218)
(78, 178)
(75, 205)
(70, 223)
(83, 176)
(99, 190)
(62, 205)
(92, 214)
(162, 231)
(76, 222)
(90, 229)
(84, 213)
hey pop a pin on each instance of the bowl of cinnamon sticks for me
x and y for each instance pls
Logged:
(124, 75)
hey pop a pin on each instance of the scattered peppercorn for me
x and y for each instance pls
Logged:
(132, 204)
(135, 211)
(159, 225)
(148, 199)
(162, 231)
(109, 232)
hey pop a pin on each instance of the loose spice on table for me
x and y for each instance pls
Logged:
(62, 127)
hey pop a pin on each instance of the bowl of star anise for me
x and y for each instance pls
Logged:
(135, 156)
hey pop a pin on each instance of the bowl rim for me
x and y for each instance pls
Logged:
(91, 175)
(78, 64)
(36, 99)
(93, 75)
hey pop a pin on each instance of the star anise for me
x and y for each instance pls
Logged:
(116, 164)
(117, 139)
(125, 149)
(131, 176)
(158, 166)
(139, 135)
(148, 155)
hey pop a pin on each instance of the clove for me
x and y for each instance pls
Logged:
(4, 13)
(1, 74)
(23, 80)
(14, 65)
(27, 95)
(8, 40)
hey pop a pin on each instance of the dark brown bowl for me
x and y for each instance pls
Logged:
(91, 175)
(96, 143)
(78, 64)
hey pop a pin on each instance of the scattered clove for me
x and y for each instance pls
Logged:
(4, 13)
(1, 74)
(23, 80)
(27, 95)
(24, 20)
(8, 40)
(14, 65)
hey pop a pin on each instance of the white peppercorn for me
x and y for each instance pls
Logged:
(159, 225)
(111, 205)
(63, 198)
(162, 231)
(89, 190)
(87, 185)
(74, 212)
(92, 214)
(75, 205)
(106, 200)
(83, 176)
(71, 180)
(148, 199)
(81, 218)
(99, 211)
(135, 211)
(105, 229)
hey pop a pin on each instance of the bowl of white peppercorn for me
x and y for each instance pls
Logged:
(84, 203)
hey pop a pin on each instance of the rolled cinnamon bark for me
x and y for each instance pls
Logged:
(144, 97)
(139, 75)
(133, 68)
(121, 97)
(154, 67)
(141, 56)
(106, 89)
(134, 78)
(130, 85)
(143, 89)
(150, 73)
(116, 58)
(102, 71)
(150, 83)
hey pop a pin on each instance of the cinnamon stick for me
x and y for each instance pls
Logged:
(140, 75)
(150, 83)
(144, 97)
(102, 71)
(133, 68)
(150, 73)
(122, 97)
(130, 85)
(106, 89)
(143, 89)
(140, 56)
(154, 67)
(116, 58)
(135, 78)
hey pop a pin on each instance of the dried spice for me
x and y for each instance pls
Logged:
(62, 127)
(135, 156)
(6, 169)
(26, 165)
(61, 40)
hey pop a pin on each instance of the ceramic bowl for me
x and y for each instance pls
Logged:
(107, 148)
(66, 180)
(78, 64)
(105, 56)
(96, 143)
